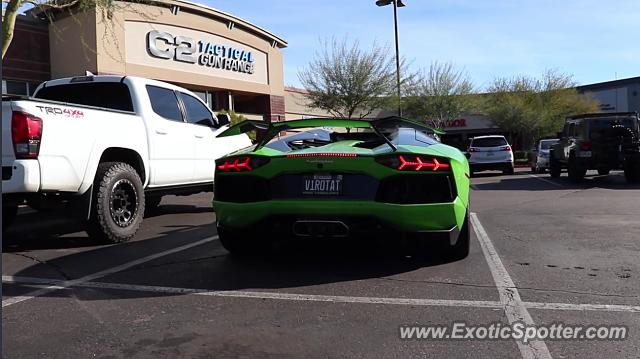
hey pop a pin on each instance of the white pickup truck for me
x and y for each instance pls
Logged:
(109, 145)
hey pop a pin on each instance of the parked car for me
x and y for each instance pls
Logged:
(540, 155)
(385, 178)
(111, 145)
(490, 153)
(599, 141)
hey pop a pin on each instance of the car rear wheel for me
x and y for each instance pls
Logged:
(460, 249)
(508, 171)
(240, 244)
(603, 171)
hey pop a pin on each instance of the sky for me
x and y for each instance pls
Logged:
(593, 40)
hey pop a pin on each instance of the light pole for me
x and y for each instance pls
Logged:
(396, 5)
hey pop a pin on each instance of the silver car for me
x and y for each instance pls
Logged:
(540, 158)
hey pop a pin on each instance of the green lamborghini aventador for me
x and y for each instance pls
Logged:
(336, 178)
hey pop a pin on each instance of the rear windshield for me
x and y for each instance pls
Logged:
(489, 142)
(545, 145)
(605, 123)
(112, 95)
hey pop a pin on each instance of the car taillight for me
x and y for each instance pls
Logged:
(414, 163)
(472, 149)
(329, 154)
(26, 133)
(585, 146)
(506, 148)
(241, 164)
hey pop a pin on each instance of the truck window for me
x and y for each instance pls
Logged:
(112, 95)
(196, 112)
(164, 103)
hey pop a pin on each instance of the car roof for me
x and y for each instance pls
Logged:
(489, 136)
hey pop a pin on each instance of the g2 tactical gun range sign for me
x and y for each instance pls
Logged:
(204, 53)
(181, 49)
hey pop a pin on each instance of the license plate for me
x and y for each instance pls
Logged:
(489, 154)
(322, 185)
(584, 153)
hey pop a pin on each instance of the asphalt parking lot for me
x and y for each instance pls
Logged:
(543, 251)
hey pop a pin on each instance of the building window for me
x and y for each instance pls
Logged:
(13, 87)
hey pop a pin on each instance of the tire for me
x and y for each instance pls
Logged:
(460, 250)
(118, 203)
(632, 172)
(239, 245)
(555, 170)
(151, 203)
(508, 171)
(575, 171)
(603, 171)
(9, 214)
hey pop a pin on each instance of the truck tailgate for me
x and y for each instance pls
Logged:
(7, 144)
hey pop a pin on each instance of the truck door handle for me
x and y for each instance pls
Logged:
(161, 132)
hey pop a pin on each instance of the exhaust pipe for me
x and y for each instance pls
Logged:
(320, 228)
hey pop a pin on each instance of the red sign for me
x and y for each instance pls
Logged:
(460, 122)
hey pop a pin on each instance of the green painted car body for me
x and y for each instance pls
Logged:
(354, 179)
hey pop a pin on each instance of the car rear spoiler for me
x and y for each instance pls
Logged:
(377, 125)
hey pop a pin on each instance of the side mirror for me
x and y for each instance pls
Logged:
(223, 119)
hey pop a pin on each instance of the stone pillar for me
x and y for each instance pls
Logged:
(274, 109)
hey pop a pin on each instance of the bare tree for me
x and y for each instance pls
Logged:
(346, 80)
(439, 94)
(49, 8)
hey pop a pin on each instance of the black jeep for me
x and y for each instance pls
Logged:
(600, 141)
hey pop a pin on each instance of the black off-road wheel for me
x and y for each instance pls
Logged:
(9, 214)
(555, 170)
(575, 171)
(632, 172)
(508, 171)
(460, 249)
(118, 203)
(603, 171)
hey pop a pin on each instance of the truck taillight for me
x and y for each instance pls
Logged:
(26, 133)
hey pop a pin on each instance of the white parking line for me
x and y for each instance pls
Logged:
(547, 181)
(34, 281)
(102, 273)
(584, 307)
(267, 295)
(514, 309)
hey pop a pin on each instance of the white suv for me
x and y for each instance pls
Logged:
(488, 153)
